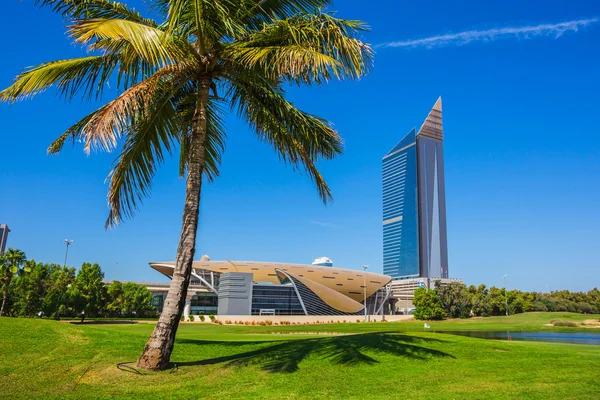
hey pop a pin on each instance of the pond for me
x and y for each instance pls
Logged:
(559, 337)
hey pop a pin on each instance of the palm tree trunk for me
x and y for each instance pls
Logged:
(8, 278)
(3, 302)
(157, 352)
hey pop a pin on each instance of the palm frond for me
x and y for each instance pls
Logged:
(214, 145)
(102, 128)
(82, 9)
(254, 14)
(289, 61)
(304, 49)
(89, 74)
(152, 133)
(299, 138)
(208, 22)
(151, 44)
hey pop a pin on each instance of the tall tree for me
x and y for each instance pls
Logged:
(88, 290)
(427, 304)
(57, 298)
(129, 300)
(11, 262)
(28, 290)
(177, 78)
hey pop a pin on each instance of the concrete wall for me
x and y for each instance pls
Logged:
(235, 293)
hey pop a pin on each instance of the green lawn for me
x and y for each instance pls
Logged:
(48, 359)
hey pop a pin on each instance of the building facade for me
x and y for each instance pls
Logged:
(414, 203)
(267, 288)
(3, 237)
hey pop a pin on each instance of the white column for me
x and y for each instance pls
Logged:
(188, 307)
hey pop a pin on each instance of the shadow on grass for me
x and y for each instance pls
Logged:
(341, 350)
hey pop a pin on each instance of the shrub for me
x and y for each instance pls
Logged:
(212, 317)
(539, 306)
(428, 305)
(227, 322)
(561, 322)
(191, 317)
(585, 308)
(269, 322)
(202, 318)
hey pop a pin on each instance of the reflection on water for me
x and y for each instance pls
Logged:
(560, 337)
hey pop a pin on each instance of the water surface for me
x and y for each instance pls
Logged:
(559, 337)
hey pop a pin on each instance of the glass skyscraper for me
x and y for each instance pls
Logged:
(414, 203)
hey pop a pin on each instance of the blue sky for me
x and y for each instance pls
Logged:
(522, 153)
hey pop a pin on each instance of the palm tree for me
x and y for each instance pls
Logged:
(177, 79)
(10, 263)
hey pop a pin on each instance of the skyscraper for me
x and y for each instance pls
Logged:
(3, 237)
(414, 203)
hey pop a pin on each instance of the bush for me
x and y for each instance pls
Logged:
(269, 322)
(227, 322)
(428, 305)
(561, 322)
(586, 308)
(191, 317)
(539, 306)
(212, 317)
(202, 318)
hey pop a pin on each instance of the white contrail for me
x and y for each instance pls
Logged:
(521, 32)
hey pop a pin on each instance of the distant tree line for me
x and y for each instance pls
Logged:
(28, 288)
(457, 300)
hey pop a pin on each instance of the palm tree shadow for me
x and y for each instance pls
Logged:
(285, 356)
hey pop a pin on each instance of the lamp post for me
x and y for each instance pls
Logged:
(365, 289)
(68, 243)
(505, 296)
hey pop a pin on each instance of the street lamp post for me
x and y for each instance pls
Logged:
(505, 296)
(68, 243)
(365, 289)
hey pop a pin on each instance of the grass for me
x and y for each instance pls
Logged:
(48, 359)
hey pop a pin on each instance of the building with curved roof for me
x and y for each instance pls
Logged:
(271, 288)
